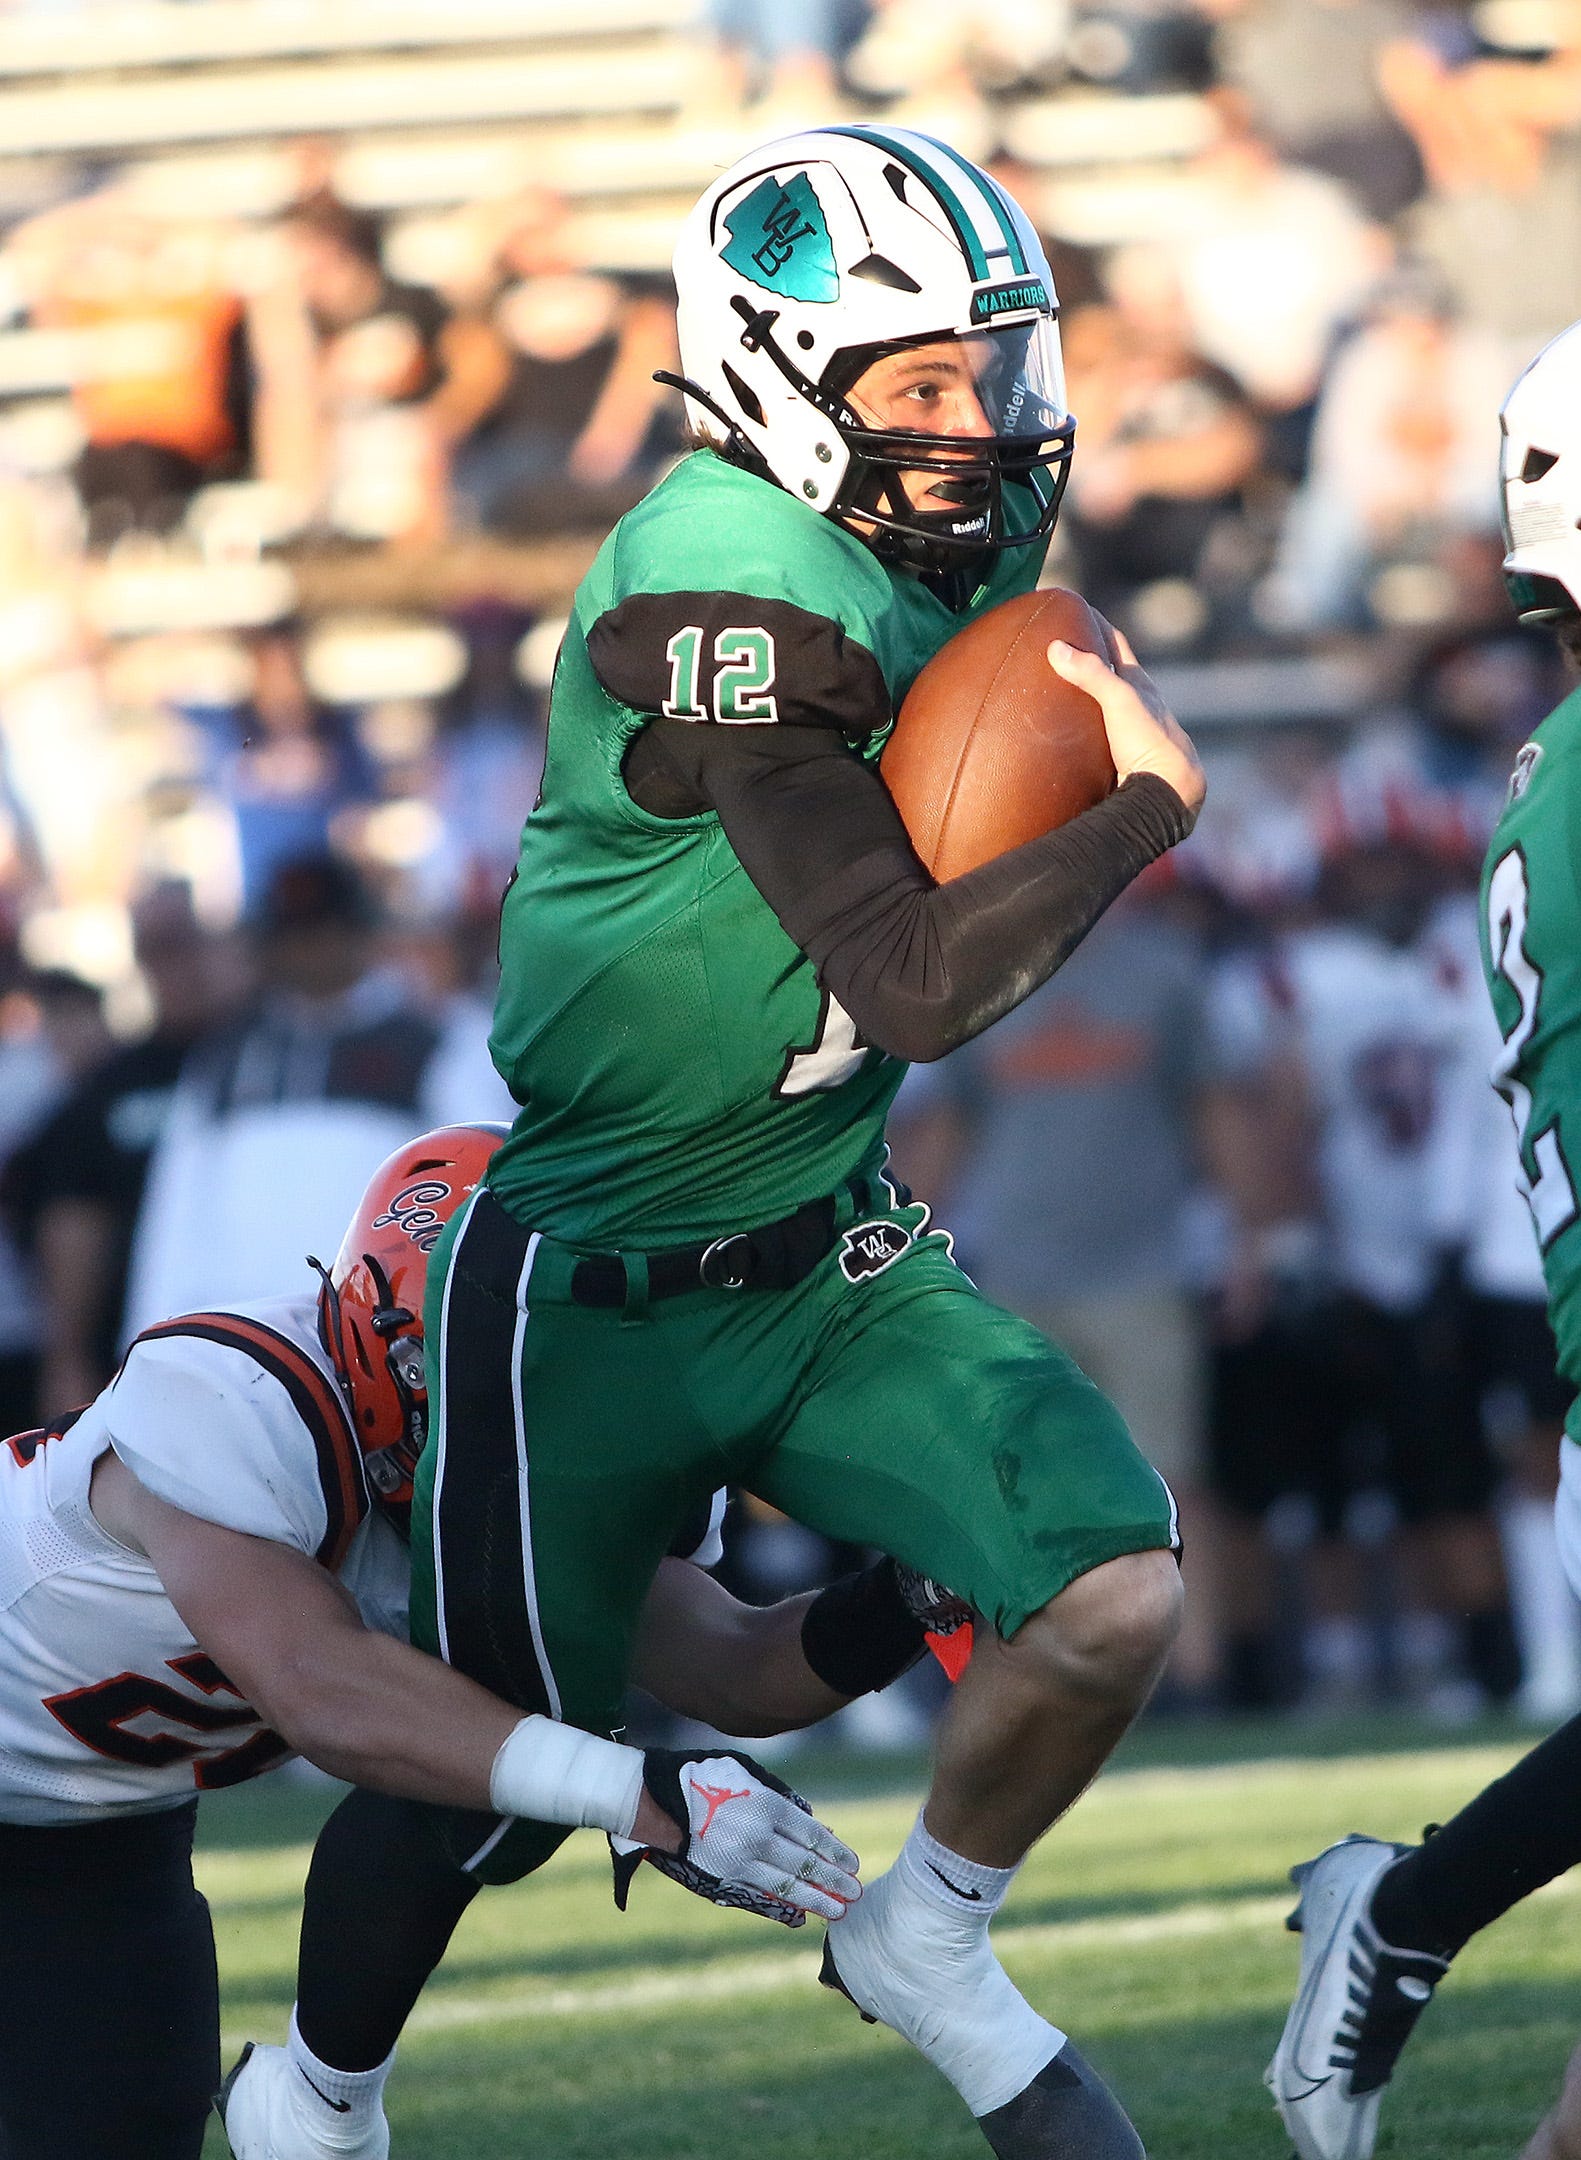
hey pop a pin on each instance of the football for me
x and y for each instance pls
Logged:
(991, 747)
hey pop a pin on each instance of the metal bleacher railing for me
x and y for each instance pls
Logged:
(152, 34)
(430, 102)
(263, 70)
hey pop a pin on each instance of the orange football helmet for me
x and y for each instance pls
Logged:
(371, 1305)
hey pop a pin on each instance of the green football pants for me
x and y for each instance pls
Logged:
(882, 1401)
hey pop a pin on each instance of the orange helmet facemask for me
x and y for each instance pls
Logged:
(371, 1305)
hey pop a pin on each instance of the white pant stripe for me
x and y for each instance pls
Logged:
(436, 1441)
(518, 1406)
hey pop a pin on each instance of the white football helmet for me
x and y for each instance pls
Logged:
(1540, 475)
(819, 252)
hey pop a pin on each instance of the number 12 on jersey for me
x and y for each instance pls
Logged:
(1550, 1190)
(743, 681)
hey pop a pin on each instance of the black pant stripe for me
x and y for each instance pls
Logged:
(482, 1572)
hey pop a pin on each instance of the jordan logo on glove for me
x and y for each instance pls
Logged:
(716, 1796)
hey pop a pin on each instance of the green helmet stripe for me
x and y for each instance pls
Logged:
(954, 209)
(997, 202)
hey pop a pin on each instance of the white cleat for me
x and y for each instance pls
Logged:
(1357, 2003)
(266, 2115)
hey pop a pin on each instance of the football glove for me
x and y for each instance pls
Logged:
(939, 1610)
(949, 1623)
(751, 1843)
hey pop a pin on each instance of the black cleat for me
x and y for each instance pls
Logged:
(829, 1977)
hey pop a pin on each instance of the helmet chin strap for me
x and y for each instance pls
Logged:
(882, 484)
(387, 1316)
(387, 1468)
(882, 489)
(875, 494)
(387, 1320)
(740, 449)
(329, 1306)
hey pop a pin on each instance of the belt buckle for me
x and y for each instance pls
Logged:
(734, 1259)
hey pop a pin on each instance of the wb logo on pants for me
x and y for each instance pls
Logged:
(870, 1247)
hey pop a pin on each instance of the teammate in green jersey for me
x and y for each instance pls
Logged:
(1380, 1922)
(690, 1264)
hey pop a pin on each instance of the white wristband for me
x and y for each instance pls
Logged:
(555, 1773)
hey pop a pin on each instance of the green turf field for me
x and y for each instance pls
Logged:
(1148, 1925)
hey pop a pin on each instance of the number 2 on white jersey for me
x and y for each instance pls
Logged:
(1550, 1192)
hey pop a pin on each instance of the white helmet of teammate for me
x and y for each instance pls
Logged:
(816, 254)
(1540, 471)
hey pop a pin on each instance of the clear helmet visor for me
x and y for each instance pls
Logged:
(1004, 385)
(1021, 381)
(937, 426)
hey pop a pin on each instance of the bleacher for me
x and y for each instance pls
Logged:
(425, 106)
(120, 78)
(429, 107)
(196, 109)
(432, 107)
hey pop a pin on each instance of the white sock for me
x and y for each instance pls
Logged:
(914, 1951)
(1543, 1605)
(340, 2106)
(964, 1887)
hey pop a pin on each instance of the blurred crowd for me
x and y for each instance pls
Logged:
(1283, 341)
(1241, 1156)
(509, 391)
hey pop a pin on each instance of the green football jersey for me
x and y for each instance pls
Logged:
(681, 1071)
(1531, 955)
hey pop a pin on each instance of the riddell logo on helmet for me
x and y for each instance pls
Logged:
(412, 1211)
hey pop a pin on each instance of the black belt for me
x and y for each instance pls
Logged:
(771, 1257)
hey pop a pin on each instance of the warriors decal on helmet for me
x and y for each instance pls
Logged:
(819, 254)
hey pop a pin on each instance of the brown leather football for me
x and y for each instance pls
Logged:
(991, 747)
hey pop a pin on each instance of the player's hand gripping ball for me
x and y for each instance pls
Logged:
(997, 744)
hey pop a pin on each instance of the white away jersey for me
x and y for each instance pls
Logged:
(1380, 1033)
(1483, 1188)
(106, 1702)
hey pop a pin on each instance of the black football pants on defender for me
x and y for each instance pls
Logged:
(110, 2039)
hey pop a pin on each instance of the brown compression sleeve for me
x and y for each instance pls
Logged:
(919, 967)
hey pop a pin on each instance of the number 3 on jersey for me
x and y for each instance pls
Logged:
(1550, 1191)
(834, 1055)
